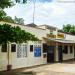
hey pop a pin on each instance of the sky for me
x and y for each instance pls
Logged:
(51, 12)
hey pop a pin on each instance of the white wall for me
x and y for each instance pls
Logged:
(69, 37)
(3, 60)
(69, 55)
(28, 61)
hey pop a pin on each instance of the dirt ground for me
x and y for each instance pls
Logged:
(66, 68)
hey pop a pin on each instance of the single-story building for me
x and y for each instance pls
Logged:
(54, 46)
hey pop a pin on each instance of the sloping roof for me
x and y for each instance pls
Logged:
(62, 40)
(48, 27)
(32, 25)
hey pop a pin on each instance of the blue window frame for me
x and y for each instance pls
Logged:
(37, 51)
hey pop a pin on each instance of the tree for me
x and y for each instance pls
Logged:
(7, 19)
(19, 20)
(14, 34)
(5, 4)
(2, 14)
(18, 1)
(66, 28)
(72, 30)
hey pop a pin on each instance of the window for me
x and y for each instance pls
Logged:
(37, 51)
(51, 31)
(44, 55)
(13, 47)
(24, 50)
(21, 50)
(4, 48)
(31, 48)
(71, 49)
(65, 50)
(44, 47)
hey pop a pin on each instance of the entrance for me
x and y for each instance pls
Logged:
(74, 52)
(60, 54)
(50, 54)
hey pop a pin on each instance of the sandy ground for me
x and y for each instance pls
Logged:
(54, 69)
(49, 69)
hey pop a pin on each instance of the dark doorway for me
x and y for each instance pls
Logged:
(60, 54)
(74, 52)
(50, 54)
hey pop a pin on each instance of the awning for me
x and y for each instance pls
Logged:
(61, 40)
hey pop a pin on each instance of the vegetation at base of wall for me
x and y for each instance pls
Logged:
(15, 34)
(68, 28)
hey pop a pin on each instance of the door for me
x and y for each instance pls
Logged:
(60, 54)
(50, 54)
(74, 52)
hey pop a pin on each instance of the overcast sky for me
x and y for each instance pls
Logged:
(50, 12)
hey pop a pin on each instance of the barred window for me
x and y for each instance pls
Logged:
(21, 50)
(4, 48)
(24, 50)
(13, 47)
(65, 49)
(31, 48)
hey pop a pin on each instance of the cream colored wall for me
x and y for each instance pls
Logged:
(69, 37)
(65, 56)
(43, 27)
(54, 32)
(3, 60)
(69, 55)
(28, 61)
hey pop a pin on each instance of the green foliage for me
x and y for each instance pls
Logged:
(7, 19)
(19, 20)
(18, 1)
(69, 29)
(14, 34)
(5, 3)
(2, 14)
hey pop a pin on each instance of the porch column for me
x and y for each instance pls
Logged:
(56, 56)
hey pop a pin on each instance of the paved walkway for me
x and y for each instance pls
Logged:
(50, 69)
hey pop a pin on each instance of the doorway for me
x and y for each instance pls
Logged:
(50, 54)
(74, 52)
(60, 54)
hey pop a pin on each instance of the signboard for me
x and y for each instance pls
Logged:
(37, 52)
(60, 35)
(51, 36)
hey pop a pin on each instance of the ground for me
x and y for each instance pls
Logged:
(67, 68)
